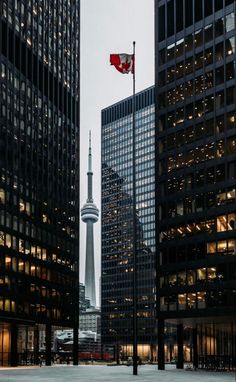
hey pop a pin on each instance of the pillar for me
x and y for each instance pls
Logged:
(48, 344)
(161, 349)
(14, 354)
(36, 345)
(75, 345)
(180, 345)
(117, 353)
(151, 353)
(195, 348)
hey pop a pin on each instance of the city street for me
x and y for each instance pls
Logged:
(109, 374)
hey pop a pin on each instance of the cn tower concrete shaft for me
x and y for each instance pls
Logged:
(89, 215)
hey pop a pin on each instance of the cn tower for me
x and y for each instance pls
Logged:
(89, 215)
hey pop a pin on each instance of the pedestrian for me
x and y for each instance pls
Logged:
(40, 361)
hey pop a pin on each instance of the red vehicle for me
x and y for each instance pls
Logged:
(96, 356)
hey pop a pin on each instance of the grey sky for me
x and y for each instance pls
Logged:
(109, 26)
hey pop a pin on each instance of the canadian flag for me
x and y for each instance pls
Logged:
(123, 62)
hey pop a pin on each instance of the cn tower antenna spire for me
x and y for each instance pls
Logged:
(90, 173)
(90, 156)
(89, 215)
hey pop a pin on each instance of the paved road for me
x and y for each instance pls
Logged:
(95, 373)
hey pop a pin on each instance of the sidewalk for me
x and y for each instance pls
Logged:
(95, 373)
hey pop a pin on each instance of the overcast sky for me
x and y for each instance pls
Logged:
(108, 26)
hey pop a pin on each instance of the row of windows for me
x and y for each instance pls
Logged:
(28, 229)
(200, 130)
(220, 26)
(145, 214)
(199, 300)
(31, 208)
(199, 85)
(201, 178)
(197, 203)
(120, 114)
(32, 289)
(220, 52)
(121, 144)
(17, 264)
(222, 223)
(38, 310)
(199, 154)
(192, 252)
(24, 246)
(118, 316)
(196, 110)
(199, 276)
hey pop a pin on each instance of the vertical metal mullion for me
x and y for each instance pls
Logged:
(63, 66)
(47, 194)
(36, 126)
(7, 106)
(69, 133)
(52, 58)
(64, 131)
(59, 108)
(55, 183)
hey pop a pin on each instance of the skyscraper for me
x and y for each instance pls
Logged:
(89, 215)
(196, 176)
(117, 225)
(39, 179)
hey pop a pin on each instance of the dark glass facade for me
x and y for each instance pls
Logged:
(117, 224)
(196, 165)
(39, 158)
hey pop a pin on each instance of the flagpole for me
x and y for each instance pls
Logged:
(135, 365)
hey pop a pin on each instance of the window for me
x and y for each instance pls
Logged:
(226, 223)
(188, 12)
(161, 23)
(201, 300)
(179, 15)
(170, 18)
(182, 301)
(2, 196)
(230, 20)
(208, 7)
(201, 275)
(198, 11)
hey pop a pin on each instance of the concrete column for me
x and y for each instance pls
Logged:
(195, 348)
(36, 345)
(151, 353)
(14, 354)
(75, 345)
(161, 349)
(48, 344)
(117, 353)
(180, 344)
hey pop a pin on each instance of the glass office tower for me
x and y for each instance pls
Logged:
(39, 179)
(117, 225)
(196, 175)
